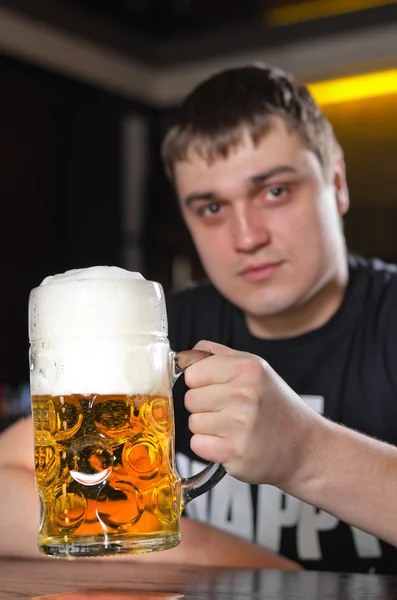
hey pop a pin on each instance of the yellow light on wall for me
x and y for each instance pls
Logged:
(318, 9)
(356, 87)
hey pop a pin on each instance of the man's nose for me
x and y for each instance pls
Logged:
(249, 230)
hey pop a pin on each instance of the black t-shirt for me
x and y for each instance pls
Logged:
(346, 370)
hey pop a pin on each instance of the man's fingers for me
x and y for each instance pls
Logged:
(210, 447)
(209, 424)
(207, 399)
(215, 369)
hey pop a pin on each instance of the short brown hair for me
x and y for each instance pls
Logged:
(211, 119)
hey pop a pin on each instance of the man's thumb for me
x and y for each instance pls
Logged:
(213, 347)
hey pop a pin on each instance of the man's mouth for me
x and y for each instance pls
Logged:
(259, 271)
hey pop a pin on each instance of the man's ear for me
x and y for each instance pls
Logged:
(341, 189)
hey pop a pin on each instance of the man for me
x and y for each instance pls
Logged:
(261, 184)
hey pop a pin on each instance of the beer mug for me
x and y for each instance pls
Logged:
(101, 374)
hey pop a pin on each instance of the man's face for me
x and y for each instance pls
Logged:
(265, 222)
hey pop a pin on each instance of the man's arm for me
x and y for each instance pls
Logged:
(350, 475)
(19, 509)
(19, 514)
(247, 418)
(203, 544)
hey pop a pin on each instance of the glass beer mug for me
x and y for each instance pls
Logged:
(101, 374)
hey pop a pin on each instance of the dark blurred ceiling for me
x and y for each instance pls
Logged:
(156, 50)
(165, 32)
(167, 18)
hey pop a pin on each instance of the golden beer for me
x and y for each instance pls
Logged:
(105, 465)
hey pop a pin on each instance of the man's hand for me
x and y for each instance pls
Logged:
(246, 417)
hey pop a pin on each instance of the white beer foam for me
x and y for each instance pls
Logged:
(99, 330)
(92, 273)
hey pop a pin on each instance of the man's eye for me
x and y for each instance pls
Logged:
(210, 209)
(214, 207)
(276, 192)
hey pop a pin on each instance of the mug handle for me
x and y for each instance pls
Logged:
(194, 486)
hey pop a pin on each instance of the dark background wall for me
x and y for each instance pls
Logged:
(59, 190)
